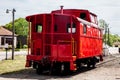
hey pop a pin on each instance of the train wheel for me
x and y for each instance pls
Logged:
(61, 68)
(58, 68)
(88, 65)
(66, 69)
(91, 62)
(34, 65)
(55, 68)
(94, 65)
(39, 69)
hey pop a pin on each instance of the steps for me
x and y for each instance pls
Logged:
(73, 65)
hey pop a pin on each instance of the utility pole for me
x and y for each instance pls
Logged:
(105, 35)
(13, 29)
(108, 36)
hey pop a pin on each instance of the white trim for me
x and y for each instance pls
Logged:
(15, 41)
(88, 23)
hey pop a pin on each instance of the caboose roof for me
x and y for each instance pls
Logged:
(29, 18)
(73, 11)
(65, 11)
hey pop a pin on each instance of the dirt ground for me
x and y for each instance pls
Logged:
(109, 69)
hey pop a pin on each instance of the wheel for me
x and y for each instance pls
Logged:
(93, 65)
(89, 63)
(79, 64)
(66, 69)
(34, 65)
(39, 69)
(57, 68)
(93, 62)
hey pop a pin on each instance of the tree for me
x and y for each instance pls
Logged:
(112, 38)
(21, 29)
(21, 26)
(104, 25)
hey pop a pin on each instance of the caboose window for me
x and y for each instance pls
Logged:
(55, 28)
(39, 28)
(84, 29)
(92, 18)
(83, 16)
(69, 28)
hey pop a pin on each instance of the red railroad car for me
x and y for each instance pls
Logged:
(63, 40)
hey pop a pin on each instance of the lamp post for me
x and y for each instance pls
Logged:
(108, 36)
(13, 29)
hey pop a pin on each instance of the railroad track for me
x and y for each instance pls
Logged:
(112, 58)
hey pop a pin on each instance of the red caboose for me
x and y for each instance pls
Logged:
(63, 40)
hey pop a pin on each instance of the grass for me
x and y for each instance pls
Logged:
(7, 66)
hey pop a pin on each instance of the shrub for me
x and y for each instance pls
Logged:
(25, 46)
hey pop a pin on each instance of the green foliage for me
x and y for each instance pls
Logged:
(21, 26)
(17, 49)
(19, 44)
(25, 46)
(21, 29)
(112, 39)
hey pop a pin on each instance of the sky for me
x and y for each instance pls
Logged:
(109, 10)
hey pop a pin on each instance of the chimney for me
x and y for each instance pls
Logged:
(61, 9)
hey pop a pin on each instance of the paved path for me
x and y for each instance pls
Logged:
(9, 54)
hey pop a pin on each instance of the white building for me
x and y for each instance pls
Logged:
(6, 38)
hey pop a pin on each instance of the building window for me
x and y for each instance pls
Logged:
(2, 40)
(9, 41)
(69, 28)
(39, 28)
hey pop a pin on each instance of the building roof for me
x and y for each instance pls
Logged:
(5, 32)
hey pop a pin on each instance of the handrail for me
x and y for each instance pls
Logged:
(29, 37)
(89, 23)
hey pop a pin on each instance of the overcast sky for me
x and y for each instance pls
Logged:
(109, 10)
